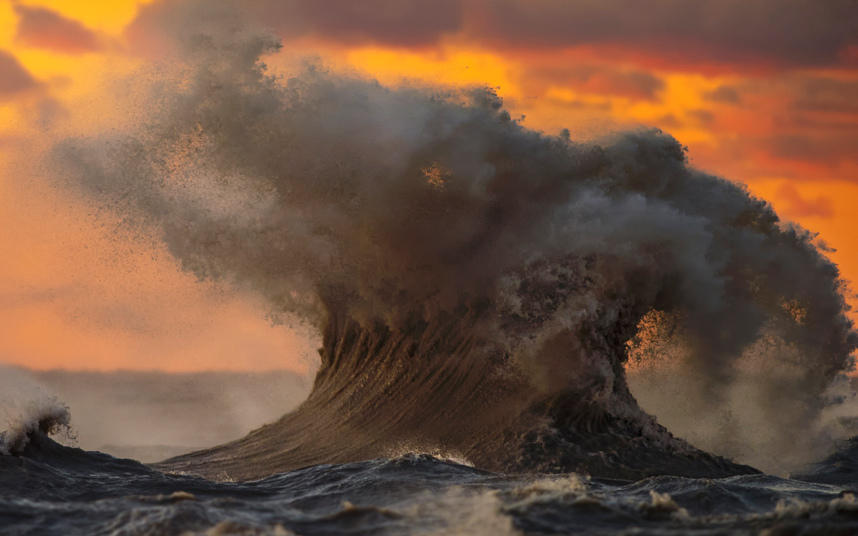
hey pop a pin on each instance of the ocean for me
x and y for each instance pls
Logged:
(51, 489)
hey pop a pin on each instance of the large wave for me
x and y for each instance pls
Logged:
(475, 282)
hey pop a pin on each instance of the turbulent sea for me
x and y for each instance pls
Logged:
(52, 489)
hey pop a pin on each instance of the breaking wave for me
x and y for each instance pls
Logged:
(475, 283)
(44, 417)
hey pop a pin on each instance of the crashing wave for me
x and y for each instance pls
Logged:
(44, 417)
(475, 282)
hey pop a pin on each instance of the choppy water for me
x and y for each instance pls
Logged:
(52, 489)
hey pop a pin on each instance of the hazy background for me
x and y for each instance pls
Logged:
(150, 416)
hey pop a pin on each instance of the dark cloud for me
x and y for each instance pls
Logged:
(43, 28)
(805, 32)
(386, 22)
(725, 94)
(392, 22)
(783, 31)
(13, 77)
(604, 80)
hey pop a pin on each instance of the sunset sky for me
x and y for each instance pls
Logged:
(763, 92)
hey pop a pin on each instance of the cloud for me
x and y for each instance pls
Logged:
(786, 32)
(724, 94)
(578, 104)
(787, 119)
(801, 207)
(780, 31)
(822, 94)
(668, 121)
(386, 22)
(14, 78)
(43, 28)
(701, 116)
(601, 80)
(827, 148)
(391, 22)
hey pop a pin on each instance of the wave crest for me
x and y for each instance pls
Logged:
(44, 417)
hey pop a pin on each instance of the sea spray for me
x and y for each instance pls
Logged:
(27, 409)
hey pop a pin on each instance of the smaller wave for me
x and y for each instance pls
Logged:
(45, 417)
(407, 450)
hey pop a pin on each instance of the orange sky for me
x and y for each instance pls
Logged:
(773, 107)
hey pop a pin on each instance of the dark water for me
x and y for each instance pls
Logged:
(52, 489)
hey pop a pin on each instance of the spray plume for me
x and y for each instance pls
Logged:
(474, 281)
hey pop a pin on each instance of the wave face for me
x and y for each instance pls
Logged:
(475, 282)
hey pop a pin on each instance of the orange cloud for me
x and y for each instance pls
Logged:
(723, 94)
(801, 207)
(42, 28)
(14, 78)
(594, 79)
